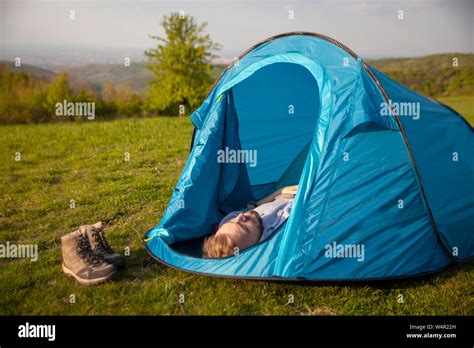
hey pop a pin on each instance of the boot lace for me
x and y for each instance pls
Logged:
(103, 245)
(84, 250)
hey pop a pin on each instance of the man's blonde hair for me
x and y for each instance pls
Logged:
(218, 245)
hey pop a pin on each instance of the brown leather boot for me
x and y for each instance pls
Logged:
(100, 245)
(81, 263)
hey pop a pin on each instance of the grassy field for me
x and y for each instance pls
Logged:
(86, 162)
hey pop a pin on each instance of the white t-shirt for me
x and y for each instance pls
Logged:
(273, 215)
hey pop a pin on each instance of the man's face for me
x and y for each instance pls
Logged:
(245, 229)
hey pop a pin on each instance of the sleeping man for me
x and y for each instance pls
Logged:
(241, 229)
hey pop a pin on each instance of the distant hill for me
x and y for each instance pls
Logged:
(136, 76)
(42, 74)
(431, 62)
(434, 75)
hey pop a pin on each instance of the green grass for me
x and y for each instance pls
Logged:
(84, 161)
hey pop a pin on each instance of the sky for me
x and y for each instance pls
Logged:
(372, 29)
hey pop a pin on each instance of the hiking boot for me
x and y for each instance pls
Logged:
(81, 263)
(100, 245)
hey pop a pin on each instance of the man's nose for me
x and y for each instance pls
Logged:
(241, 217)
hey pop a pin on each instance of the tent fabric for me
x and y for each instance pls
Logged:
(435, 138)
(380, 195)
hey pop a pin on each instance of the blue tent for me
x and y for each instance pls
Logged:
(385, 175)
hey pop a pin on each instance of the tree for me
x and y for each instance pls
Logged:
(181, 65)
(21, 97)
(58, 91)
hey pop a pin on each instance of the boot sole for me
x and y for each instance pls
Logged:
(85, 281)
